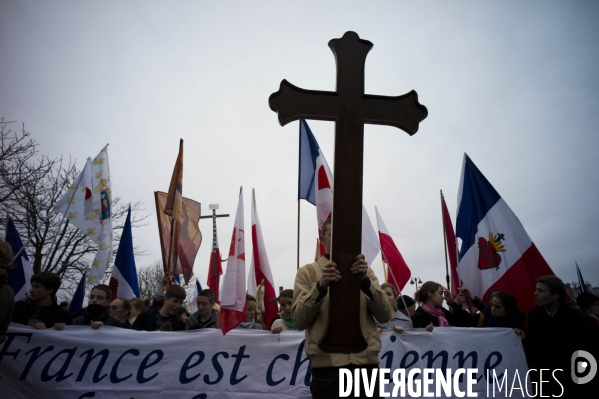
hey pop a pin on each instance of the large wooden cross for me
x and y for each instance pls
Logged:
(349, 108)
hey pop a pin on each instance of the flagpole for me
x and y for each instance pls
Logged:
(170, 247)
(299, 168)
(445, 243)
(158, 213)
(298, 232)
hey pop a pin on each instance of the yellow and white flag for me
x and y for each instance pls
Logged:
(87, 204)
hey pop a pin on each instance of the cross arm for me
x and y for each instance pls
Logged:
(403, 112)
(292, 103)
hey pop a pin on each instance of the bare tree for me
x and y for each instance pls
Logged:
(17, 165)
(30, 188)
(149, 278)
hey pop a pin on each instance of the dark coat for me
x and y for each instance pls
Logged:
(147, 321)
(457, 318)
(25, 310)
(108, 320)
(514, 320)
(551, 341)
(193, 322)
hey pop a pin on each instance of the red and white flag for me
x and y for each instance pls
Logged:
(232, 302)
(260, 269)
(398, 272)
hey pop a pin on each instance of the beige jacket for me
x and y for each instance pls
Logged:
(312, 317)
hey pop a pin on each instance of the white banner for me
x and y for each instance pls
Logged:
(111, 362)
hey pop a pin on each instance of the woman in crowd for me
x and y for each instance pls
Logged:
(138, 306)
(250, 322)
(400, 321)
(431, 312)
(504, 313)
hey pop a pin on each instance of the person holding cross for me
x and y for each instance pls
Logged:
(311, 313)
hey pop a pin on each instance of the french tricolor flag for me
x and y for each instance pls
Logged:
(496, 252)
(316, 186)
(315, 177)
(123, 281)
(20, 280)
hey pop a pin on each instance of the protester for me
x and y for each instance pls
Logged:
(250, 322)
(285, 322)
(97, 312)
(206, 316)
(555, 332)
(589, 304)
(138, 306)
(431, 313)
(311, 313)
(41, 310)
(165, 317)
(505, 313)
(121, 309)
(7, 295)
(400, 321)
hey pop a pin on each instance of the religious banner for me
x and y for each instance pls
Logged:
(112, 362)
(188, 236)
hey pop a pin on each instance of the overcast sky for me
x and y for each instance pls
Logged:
(513, 84)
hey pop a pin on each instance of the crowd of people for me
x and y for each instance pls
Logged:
(550, 332)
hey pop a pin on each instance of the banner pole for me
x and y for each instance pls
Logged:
(445, 243)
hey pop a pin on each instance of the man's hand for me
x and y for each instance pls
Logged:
(430, 327)
(398, 329)
(360, 267)
(39, 326)
(96, 324)
(276, 330)
(520, 333)
(330, 274)
(59, 326)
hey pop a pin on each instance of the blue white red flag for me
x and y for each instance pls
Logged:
(123, 281)
(232, 302)
(78, 297)
(316, 186)
(496, 252)
(20, 280)
(260, 269)
(583, 286)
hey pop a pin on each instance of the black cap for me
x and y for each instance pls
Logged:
(585, 300)
(408, 300)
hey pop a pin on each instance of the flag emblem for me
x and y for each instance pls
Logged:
(489, 251)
